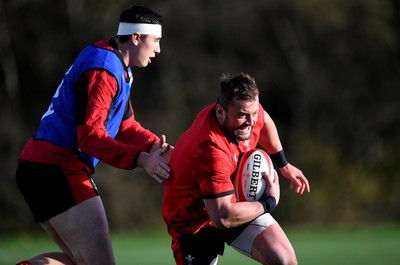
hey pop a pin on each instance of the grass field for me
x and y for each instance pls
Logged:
(366, 246)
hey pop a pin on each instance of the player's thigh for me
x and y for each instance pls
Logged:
(272, 246)
(82, 231)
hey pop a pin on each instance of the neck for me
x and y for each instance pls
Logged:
(122, 49)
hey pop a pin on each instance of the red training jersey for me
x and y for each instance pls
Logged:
(203, 164)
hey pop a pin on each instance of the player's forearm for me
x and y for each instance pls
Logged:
(107, 149)
(269, 137)
(238, 213)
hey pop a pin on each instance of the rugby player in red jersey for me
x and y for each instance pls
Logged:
(199, 204)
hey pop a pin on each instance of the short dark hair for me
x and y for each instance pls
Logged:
(140, 14)
(239, 87)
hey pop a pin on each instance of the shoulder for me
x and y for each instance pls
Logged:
(104, 44)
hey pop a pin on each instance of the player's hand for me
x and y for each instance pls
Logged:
(155, 164)
(162, 144)
(273, 187)
(298, 182)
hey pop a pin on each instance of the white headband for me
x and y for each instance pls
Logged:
(125, 28)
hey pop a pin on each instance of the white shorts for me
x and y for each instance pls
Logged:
(244, 242)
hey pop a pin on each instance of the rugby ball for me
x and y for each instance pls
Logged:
(249, 182)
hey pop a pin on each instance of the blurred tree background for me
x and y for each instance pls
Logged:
(328, 70)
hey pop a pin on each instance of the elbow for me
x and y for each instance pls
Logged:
(224, 223)
(224, 215)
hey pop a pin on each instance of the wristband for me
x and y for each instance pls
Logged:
(268, 203)
(279, 159)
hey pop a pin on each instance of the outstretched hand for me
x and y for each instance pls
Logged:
(162, 144)
(298, 182)
(155, 163)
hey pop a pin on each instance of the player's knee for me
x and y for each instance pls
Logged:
(98, 259)
(288, 260)
(292, 262)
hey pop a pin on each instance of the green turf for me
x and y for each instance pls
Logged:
(367, 246)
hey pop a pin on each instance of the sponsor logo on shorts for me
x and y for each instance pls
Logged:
(190, 259)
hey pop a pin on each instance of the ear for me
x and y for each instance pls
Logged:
(135, 38)
(220, 112)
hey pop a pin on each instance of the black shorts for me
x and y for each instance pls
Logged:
(204, 246)
(52, 189)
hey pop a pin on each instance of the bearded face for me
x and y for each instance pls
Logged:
(239, 118)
